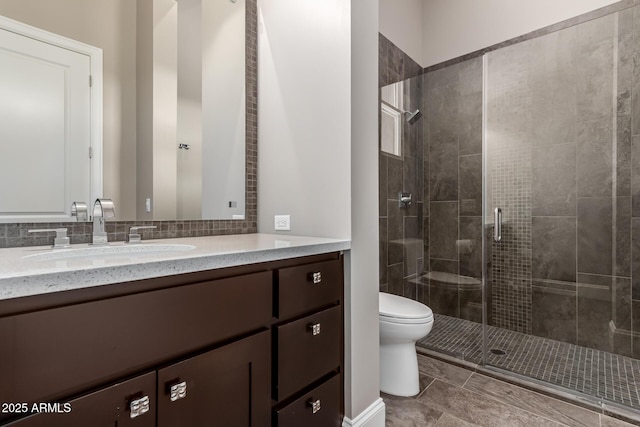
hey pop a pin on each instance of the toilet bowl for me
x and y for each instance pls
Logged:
(402, 322)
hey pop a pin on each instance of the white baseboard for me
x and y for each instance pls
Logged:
(373, 416)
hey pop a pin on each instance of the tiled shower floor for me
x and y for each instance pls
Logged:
(594, 372)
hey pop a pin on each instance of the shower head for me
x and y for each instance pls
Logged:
(412, 118)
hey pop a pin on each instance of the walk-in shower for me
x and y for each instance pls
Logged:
(546, 129)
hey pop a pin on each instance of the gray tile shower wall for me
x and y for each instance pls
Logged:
(563, 115)
(452, 102)
(561, 120)
(16, 235)
(401, 228)
(393, 64)
(441, 165)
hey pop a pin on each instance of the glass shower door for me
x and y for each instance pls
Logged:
(558, 164)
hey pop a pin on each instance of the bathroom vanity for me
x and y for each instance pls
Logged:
(232, 337)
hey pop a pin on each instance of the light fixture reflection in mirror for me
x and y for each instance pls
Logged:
(162, 87)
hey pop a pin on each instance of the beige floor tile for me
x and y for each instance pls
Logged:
(443, 371)
(536, 403)
(478, 409)
(448, 420)
(409, 412)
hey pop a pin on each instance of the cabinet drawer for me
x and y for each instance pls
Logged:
(59, 352)
(300, 412)
(298, 294)
(107, 407)
(304, 357)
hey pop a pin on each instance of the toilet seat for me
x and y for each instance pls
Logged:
(396, 309)
(404, 321)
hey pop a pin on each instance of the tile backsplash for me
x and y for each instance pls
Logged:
(17, 235)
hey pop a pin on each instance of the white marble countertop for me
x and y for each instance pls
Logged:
(29, 271)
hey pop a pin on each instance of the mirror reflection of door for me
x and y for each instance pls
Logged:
(45, 121)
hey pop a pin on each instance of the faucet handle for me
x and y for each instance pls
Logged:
(134, 236)
(61, 241)
(80, 211)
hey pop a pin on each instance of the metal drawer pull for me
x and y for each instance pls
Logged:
(316, 277)
(178, 391)
(139, 407)
(315, 328)
(314, 405)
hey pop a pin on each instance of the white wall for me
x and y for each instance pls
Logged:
(189, 114)
(361, 293)
(304, 124)
(401, 23)
(454, 28)
(317, 154)
(165, 105)
(144, 110)
(223, 108)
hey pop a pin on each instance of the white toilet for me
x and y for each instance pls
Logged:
(402, 322)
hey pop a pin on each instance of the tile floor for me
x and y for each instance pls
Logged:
(452, 396)
(596, 373)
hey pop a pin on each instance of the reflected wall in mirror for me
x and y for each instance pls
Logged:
(173, 76)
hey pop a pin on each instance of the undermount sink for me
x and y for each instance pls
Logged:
(138, 250)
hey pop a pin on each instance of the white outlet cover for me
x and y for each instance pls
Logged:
(282, 222)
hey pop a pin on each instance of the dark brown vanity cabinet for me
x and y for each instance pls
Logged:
(108, 407)
(221, 347)
(308, 346)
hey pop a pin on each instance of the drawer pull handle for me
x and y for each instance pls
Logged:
(315, 328)
(316, 277)
(139, 407)
(314, 405)
(178, 391)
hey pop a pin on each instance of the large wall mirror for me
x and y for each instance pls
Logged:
(173, 110)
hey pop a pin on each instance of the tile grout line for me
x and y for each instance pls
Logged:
(467, 380)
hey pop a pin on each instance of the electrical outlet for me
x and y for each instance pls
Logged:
(148, 205)
(282, 222)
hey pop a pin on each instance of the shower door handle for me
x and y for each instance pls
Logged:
(497, 224)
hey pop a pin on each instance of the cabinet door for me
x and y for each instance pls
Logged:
(109, 407)
(225, 387)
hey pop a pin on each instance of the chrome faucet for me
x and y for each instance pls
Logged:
(102, 209)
